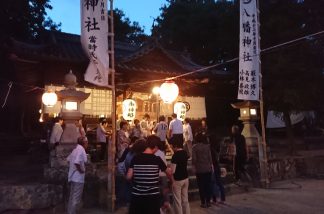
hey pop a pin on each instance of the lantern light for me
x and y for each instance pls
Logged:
(156, 90)
(180, 109)
(129, 109)
(253, 111)
(169, 91)
(49, 98)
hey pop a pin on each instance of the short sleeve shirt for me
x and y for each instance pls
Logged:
(176, 126)
(146, 168)
(180, 158)
(78, 156)
(161, 130)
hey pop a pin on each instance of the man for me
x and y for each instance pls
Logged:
(175, 130)
(187, 136)
(57, 132)
(161, 129)
(144, 172)
(122, 139)
(145, 125)
(77, 160)
(102, 137)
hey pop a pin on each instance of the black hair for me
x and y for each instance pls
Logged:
(146, 115)
(161, 118)
(174, 115)
(82, 139)
(152, 141)
(187, 120)
(139, 146)
(136, 121)
(122, 123)
(57, 119)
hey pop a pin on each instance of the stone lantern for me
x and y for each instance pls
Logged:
(70, 112)
(248, 115)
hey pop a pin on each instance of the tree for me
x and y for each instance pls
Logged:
(292, 75)
(25, 19)
(127, 31)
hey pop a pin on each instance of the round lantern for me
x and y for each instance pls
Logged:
(169, 91)
(180, 109)
(49, 98)
(129, 109)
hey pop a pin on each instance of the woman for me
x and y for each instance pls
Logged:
(122, 141)
(202, 163)
(102, 137)
(180, 179)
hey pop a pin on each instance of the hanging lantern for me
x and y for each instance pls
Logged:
(49, 98)
(180, 109)
(169, 91)
(129, 109)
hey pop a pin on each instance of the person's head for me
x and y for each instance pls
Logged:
(78, 123)
(235, 130)
(201, 138)
(104, 122)
(83, 141)
(174, 116)
(161, 118)
(136, 122)
(152, 142)
(204, 123)
(146, 116)
(186, 121)
(139, 146)
(58, 120)
(123, 125)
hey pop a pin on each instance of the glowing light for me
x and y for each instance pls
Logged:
(71, 105)
(156, 90)
(169, 92)
(49, 98)
(253, 111)
(180, 109)
(129, 109)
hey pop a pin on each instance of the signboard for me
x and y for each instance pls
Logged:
(129, 109)
(94, 39)
(249, 65)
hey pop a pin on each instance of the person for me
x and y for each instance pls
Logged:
(145, 125)
(102, 137)
(175, 130)
(187, 137)
(216, 179)
(122, 140)
(121, 118)
(203, 129)
(163, 179)
(144, 172)
(77, 160)
(241, 151)
(161, 129)
(202, 163)
(57, 132)
(180, 179)
(80, 130)
(136, 130)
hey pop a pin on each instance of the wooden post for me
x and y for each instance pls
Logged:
(262, 145)
(111, 197)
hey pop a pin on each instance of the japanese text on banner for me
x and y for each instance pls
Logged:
(248, 88)
(94, 39)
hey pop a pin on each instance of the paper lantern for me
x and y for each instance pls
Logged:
(156, 90)
(180, 109)
(169, 91)
(49, 98)
(129, 109)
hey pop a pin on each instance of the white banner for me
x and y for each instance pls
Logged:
(94, 39)
(249, 66)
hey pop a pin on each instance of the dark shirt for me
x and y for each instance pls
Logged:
(180, 159)
(146, 169)
(240, 145)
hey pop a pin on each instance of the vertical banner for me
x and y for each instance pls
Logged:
(94, 40)
(249, 66)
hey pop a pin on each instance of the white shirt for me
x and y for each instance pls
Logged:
(101, 134)
(161, 130)
(78, 156)
(56, 133)
(187, 132)
(176, 126)
(161, 154)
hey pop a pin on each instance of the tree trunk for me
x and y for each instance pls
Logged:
(289, 132)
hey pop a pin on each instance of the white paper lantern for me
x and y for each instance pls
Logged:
(49, 98)
(129, 109)
(169, 92)
(180, 110)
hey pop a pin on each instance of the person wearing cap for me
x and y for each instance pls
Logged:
(77, 160)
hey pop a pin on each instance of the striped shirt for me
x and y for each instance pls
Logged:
(146, 169)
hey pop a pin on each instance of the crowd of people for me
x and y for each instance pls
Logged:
(149, 177)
